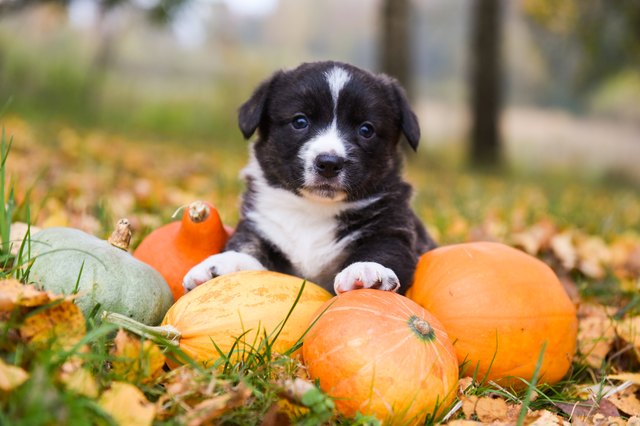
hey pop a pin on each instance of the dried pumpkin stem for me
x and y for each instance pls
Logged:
(199, 211)
(121, 236)
(168, 333)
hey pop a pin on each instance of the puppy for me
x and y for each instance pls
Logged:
(324, 197)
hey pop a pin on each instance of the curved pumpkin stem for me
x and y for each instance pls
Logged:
(168, 333)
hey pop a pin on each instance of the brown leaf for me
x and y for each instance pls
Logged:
(544, 418)
(627, 400)
(11, 376)
(214, 407)
(580, 409)
(136, 361)
(488, 409)
(596, 333)
(61, 324)
(127, 405)
(276, 417)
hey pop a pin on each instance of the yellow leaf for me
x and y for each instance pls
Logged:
(11, 376)
(127, 405)
(80, 381)
(13, 294)
(61, 325)
(136, 361)
(626, 377)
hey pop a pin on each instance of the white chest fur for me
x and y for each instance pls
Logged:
(301, 228)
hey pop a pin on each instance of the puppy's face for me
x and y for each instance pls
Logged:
(328, 131)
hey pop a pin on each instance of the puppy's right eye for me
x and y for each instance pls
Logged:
(300, 122)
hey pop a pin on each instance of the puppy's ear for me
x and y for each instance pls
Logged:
(251, 112)
(408, 119)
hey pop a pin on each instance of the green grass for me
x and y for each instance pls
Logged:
(453, 201)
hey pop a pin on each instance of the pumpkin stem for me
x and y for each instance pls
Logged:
(199, 211)
(121, 236)
(167, 333)
(421, 328)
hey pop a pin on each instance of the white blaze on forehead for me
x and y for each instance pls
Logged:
(337, 78)
(328, 141)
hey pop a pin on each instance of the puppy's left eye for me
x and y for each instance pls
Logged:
(366, 130)
(300, 121)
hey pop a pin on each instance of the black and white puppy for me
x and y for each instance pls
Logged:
(325, 199)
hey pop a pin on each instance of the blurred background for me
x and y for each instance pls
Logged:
(559, 80)
(530, 109)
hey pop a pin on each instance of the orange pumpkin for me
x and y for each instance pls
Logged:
(501, 307)
(175, 248)
(379, 353)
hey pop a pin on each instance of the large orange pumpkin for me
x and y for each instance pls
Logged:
(234, 312)
(176, 247)
(379, 353)
(501, 308)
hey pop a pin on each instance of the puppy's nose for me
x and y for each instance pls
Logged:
(329, 165)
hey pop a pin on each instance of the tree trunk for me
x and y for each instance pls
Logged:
(395, 42)
(485, 82)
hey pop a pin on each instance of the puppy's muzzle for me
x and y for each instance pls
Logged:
(328, 165)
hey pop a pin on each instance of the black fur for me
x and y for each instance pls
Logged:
(389, 232)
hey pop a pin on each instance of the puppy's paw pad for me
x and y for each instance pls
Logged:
(366, 275)
(219, 264)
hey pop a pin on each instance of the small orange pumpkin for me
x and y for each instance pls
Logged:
(379, 353)
(501, 307)
(176, 247)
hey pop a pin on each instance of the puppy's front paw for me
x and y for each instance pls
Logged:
(219, 264)
(366, 275)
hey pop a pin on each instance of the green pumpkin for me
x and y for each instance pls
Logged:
(67, 258)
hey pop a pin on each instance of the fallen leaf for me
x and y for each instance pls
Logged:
(11, 376)
(626, 377)
(535, 238)
(61, 325)
(583, 409)
(633, 421)
(602, 420)
(127, 405)
(596, 334)
(593, 255)
(80, 381)
(136, 361)
(627, 400)
(464, 384)
(13, 294)
(629, 330)
(488, 409)
(564, 249)
(544, 418)
(212, 408)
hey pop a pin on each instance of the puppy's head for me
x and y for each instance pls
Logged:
(329, 131)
